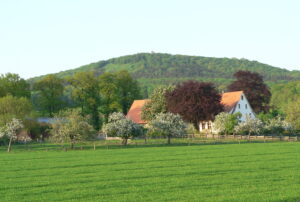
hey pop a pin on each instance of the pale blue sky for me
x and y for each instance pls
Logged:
(46, 36)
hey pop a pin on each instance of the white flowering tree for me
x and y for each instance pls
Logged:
(119, 126)
(250, 126)
(277, 126)
(71, 127)
(168, 124)
(11, 130)
(225, 123)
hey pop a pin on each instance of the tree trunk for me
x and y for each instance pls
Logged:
(9, 145)
(125, 141)
(196, 125)
(169, 139)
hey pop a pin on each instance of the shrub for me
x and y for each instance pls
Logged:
(225, 123)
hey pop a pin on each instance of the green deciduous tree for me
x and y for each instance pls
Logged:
(50, 92)
(86, 93)
(119, 126)
(168, 125)
(110, 99)
(71, 127)
(128, 90)
(12, 84)
(13, 107)
(157, 103)
(293, 114)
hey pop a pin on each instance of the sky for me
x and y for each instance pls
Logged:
(38, 37)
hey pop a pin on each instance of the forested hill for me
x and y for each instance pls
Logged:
(164, 68)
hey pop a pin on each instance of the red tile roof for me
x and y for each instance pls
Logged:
(230, 99)
(135, 111)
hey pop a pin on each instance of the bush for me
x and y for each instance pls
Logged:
(225, 123)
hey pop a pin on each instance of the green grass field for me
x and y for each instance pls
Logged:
(223, 172)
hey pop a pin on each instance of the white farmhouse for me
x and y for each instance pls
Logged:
(233, 102)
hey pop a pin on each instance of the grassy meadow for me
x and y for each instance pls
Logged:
(212, 172)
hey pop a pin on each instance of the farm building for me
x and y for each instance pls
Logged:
(233, 102)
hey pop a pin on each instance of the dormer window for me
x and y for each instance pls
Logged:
(242, 97)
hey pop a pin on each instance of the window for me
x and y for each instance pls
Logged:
(239, 106)
(209, 125)
(250, 114)
(246, 106)
(203, 125)
(242, 97)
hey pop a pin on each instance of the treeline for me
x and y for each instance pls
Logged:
(94, 96)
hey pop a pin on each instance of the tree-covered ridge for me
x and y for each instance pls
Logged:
(158, 65)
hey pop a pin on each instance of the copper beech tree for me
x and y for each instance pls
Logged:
(194, 101)
(257, 92)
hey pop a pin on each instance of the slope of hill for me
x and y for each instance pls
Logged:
(156, 68)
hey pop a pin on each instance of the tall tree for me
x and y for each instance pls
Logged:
(157, 103)
(194, 101)
(12, 84)
(257, 92)
(128, 90)
(50, 91)
(110, 100)
(293, 114)
(86, 93)
(13, 107)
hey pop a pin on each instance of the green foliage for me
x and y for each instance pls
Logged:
(110, 99)
(69, 126)
(119, 126)
(157, 103)
(13, 107)
(225, 123)
(12, 84)
(49, 94)
(293, 114)
(36, 130)
(86, 93)
(284, 94)
(168, 125)
(128, 90)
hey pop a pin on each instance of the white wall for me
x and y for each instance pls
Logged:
(244, 108)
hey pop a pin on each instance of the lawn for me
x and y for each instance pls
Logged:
(221, 172)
